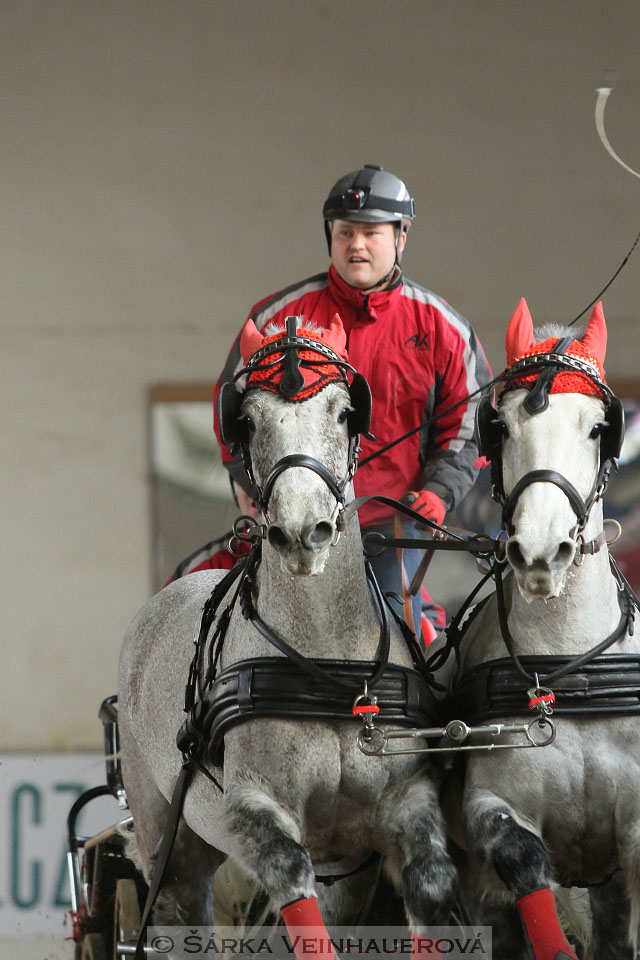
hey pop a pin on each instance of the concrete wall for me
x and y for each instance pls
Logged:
(164, 164)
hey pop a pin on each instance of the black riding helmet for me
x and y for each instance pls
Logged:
(369, 195)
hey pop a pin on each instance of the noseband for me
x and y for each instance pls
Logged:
(578, 505)
(337, 487)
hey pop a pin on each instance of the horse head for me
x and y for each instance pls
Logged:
(297, 423)
(550, 457)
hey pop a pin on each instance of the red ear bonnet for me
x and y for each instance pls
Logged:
(520, 342)
(594, 339)
(250, 340)
(335, 337)
(519, 339)
(314, 368)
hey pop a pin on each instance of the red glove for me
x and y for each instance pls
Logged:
(428, 504)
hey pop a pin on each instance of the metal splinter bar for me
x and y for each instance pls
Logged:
(374, 741)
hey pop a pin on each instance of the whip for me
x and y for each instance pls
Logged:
(601, 103)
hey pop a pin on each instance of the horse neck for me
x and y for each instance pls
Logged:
(587, 610)
(334, 608)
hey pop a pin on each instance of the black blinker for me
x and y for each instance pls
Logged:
(613, 434)
(359, 419)
(488, 429)
(229, 404)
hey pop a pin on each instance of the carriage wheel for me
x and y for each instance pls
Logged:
(92, 947)
(126, 921)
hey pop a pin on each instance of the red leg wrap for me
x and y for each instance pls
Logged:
(308, 935)
(540, 917)
(423, 947)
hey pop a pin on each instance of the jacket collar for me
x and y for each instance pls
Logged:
(360, 300)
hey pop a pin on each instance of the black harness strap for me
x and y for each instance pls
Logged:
(277, 688)
(309, 463)
(162, 859)
(625, 626)
(305, 663)
(608, 685)
(579, 507)
(329, 879)
(208, 616)
(538, 398)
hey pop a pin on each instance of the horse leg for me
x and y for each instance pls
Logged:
(496, 911)
(185, 897)
(264, 839)
(610, 910)
(417, 856)
(520, 860)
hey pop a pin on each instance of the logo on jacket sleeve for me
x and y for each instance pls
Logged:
(417, 342)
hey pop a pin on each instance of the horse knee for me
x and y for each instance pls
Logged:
(285, 869)
(418, 860)
(428, 888)
(264, 839)
(520, 859)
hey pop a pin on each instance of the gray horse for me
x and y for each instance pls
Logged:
(299, 797)
(569, 813)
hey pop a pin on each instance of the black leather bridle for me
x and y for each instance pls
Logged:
(490, 433)
(285, 353)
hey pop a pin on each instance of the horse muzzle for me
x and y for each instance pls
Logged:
(540, 569)
(303, 550)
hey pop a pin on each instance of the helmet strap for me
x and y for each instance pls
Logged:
(328, 226)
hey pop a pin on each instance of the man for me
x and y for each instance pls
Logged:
(419, 356)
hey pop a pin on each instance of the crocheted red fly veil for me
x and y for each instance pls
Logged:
(312, 369)
(520, 342)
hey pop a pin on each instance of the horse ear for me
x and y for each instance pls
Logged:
(595, 336)
(519, 336)
(250, 340)
(335, 337)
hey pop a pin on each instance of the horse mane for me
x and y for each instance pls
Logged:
(278, 326)
(558, 330)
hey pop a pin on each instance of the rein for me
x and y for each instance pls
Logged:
(250, 613)
(625, 626)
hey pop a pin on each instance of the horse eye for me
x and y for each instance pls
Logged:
(503, 428)
(597, 430)
(344, 413)
(247, 422)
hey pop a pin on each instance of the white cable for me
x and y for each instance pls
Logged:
(601, 102)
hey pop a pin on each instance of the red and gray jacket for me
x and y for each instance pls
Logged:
(419, 356)
(213, 556)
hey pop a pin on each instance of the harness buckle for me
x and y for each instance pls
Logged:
(246, 528)
(500, 549)
(366, 706)
(541, 699)
(578, 559)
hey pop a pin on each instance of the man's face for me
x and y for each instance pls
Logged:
(247, 504)
(363, 253)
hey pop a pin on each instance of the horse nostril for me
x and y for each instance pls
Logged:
(515, 555)
(279, 538)
(318, 535)
(565, 552)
